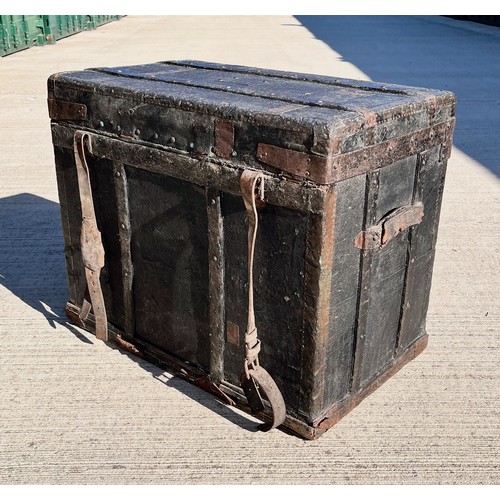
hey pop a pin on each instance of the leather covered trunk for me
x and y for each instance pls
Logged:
(353, 175)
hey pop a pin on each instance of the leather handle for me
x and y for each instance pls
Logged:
(389, 227)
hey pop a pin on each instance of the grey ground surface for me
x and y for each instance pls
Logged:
(74, 410)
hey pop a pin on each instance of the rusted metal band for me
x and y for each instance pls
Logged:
(224, 138)
(219, 176)
(255, 380)
(90, 240)
(62, 110)
(344, 166)
(331, 169)
(302, 165)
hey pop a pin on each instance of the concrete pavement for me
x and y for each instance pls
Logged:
(75, 411)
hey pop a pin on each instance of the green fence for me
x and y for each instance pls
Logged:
(22, 32)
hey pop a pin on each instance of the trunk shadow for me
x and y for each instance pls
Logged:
(32, 256)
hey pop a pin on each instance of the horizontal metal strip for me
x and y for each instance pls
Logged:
(336, 168)
(203, 172)
(348, 165)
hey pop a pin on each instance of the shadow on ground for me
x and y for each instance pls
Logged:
(202, 397)
(32, 267)
(418, 52)
(32, 256)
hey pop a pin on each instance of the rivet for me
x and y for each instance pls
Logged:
(155, 136)
(191, 145)
(118, 128)
(118, 174)
(172, 140)
(123, 226)
(234, 154)
(137, 131)
(101, 124)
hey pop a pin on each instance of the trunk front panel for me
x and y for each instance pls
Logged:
(169, 247)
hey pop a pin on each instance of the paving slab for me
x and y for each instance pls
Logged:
(74, 410)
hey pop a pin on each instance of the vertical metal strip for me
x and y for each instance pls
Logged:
(125, 234)
(370, 219)
(216, 284)
(401, 342)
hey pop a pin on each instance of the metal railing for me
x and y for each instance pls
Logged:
(21, 32)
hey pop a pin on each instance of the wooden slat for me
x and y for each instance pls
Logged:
(349, 215)
(216, 268)
(124, 234)
(428, 189)
(318, 282)
(221, 176)
(371, 196)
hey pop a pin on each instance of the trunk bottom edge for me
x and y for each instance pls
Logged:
(232, 395)
(340, 409)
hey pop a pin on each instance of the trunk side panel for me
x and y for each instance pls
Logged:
(423, 240)
(388, 270)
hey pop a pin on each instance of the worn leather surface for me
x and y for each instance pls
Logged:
(91, 243)
(255, 379)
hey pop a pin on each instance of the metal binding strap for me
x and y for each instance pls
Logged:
(90, 240)
(254, 379)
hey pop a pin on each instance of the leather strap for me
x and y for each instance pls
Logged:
(90, 239)
(255, 380)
